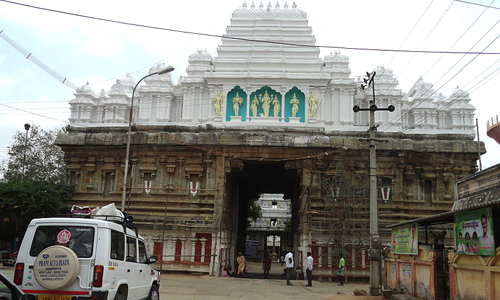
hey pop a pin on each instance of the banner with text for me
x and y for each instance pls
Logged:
(474, 232)
(405, 239)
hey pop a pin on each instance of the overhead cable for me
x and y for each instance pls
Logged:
(246, 39)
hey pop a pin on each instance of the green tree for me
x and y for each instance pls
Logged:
(254, 211)
(33, 182)
(36, 156)
(23, 200)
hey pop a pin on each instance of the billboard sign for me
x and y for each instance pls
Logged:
(404, 239)
(474, 232)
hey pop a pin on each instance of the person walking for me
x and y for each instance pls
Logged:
(309, 268)
(341, 269)
(289, 267)
(266, 265)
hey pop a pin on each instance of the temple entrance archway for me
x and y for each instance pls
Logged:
(248, 181)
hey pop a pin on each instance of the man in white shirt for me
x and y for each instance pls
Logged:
(309, 268)
(289, 266)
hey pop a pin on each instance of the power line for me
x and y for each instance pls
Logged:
(246, 39)
(479, 17)
(421, 44)
(30, 56)
(40, 115)
(391, 122)
(478, 4)
(411, 31)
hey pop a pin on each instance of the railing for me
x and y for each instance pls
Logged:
(493, 122)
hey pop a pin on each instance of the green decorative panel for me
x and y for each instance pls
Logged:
(236, 100)
(265, 102)
(295, 105)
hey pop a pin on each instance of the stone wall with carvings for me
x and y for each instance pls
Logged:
(186, 181)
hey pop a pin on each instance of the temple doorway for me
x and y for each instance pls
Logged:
(275, 190)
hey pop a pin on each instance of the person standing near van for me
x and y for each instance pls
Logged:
(309, 268)
(289, 266)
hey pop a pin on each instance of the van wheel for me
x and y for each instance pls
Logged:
(119, 297)
(154, 294)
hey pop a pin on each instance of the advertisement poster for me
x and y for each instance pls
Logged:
(474, 232)
(405, 239)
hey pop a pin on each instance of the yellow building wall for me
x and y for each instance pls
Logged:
(475, 277)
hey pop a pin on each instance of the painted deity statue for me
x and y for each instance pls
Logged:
(313, 105)
(254, 106)
(266, 103)
(237, 101)
(276, 106)
(218, 101)
(295, 105)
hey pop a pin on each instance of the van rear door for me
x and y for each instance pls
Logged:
(79, 238)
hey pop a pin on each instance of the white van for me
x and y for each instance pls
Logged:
(85, 258)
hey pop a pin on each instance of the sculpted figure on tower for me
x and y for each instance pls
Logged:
(217, 101)
(237, 101)
(254, 106)
(276, 106)
(266, 103)
(313, 105)
(295, 105)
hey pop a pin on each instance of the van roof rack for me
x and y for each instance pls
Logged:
(126, 220)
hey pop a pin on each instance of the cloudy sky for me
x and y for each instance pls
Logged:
(87, 50)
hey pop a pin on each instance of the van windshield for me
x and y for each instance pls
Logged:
(79, 238)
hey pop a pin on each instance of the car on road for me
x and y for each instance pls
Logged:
(9, 291)
(95, 258)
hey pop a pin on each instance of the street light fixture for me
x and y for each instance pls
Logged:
(374, 254)
(129, 133)
(27, 127)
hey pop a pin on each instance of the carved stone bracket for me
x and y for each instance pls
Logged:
(194, 166)
(147, 169)
(237, 165)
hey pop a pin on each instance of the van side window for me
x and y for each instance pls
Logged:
(117, 245)
(143, 257)
(131, 249)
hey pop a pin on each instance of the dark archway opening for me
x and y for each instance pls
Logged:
(254, 179)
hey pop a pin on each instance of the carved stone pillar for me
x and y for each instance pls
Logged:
(330, 258)
(320, 114)
(248, 90)
(320, 258)
(353, 256)
(203, 243)
(171, 248)
(164, 249)
(183, 247)
(283, 93)
(193, 247)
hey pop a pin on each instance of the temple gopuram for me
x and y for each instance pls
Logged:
(267, 114)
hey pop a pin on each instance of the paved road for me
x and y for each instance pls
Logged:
(204, 287)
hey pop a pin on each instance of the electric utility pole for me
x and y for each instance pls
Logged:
(374, 254)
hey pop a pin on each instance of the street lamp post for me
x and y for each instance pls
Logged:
(374, 254)
(27, 127)
(129, 133)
